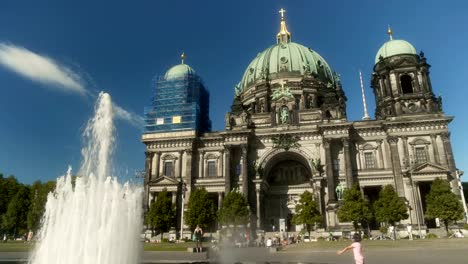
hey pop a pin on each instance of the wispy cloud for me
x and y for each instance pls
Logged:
(130, 117)
(45, 70)
(40, 68)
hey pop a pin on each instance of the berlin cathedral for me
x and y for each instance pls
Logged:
(287, 132)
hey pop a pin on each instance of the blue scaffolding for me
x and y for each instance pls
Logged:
(178, 104)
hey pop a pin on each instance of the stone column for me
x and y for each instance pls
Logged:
(348, 166)
(174, 197)
(151, 198)
(220, 163)
(148, 160)
(227, 169)
(244, 175)
(188, 174)
(155, 165)
(450, 162)
(181, 160)
(259, 215)
(435, 150)
(220, 200)
(398, 177)
(405, 146)
(200, 164)
(329, 171)
(381, 157)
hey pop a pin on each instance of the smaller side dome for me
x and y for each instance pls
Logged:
(395, 47)
(179, 71)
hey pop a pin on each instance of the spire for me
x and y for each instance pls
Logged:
(390, 32)
(283, 35)
(182, 57)
(366, 114)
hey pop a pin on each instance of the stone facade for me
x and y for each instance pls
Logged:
(282, 126)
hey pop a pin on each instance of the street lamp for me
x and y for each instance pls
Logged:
(416, 204)
(183, 189)
(410, 227)
(459, 173)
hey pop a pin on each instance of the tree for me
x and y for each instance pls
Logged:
(307, 212)
(235, 210)
(389, 208)
(442, 203)
(8, 188)
(354, 209)
(201, 209)
(14, 221)
(161, 215)
(39, 193)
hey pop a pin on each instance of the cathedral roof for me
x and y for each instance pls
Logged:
(285, 59)
(178, 71)
(394, 47)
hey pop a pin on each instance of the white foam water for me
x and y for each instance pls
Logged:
(92, 219)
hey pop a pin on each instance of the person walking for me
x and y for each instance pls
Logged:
(357, 249)
(198, 234)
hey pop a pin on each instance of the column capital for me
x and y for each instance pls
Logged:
(149, 154)
(244, 148)
(345, 141)
(188, 152)
(326, 142)
(445, 136)
(392, 140)
(433, 136)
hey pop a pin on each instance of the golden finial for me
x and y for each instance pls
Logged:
(182, 57)
(283, 36)
(390, 32)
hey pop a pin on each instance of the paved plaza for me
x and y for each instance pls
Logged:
(450, 251)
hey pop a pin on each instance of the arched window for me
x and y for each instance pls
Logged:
(406, 84)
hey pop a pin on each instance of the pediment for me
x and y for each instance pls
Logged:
(164, 180)
(429, 168)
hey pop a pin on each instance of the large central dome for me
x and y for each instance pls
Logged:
(286, 60)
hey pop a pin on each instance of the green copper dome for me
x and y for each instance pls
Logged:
(284, 60)
(395, 47)
(178, 71)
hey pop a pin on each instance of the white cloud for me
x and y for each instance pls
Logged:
(45, 70)
(132, 118)
(40, 68)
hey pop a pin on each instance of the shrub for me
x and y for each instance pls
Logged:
(431, 236)
(465, 226)
(383, 229)
(165, 240)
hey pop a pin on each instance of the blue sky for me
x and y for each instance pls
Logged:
(84, 47)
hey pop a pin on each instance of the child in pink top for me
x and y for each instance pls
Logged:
(357, 249)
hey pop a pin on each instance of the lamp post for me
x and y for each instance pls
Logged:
(413, 192)
(459, 173)
(183, 189)
(410, 227)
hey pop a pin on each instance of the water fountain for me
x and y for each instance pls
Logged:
(92, 219)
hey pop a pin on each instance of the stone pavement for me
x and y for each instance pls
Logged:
(430, 255)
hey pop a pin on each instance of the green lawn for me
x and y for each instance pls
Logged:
(15, 246)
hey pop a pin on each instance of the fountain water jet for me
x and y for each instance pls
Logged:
(95, 219)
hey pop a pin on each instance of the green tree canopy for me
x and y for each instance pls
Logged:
(161, 215)
(14, 220)
(354, 208)
(442, 203)
(389, 208)
(201, 209)
(39, 192)
(235, 210)
(307, 212)
(8, 188)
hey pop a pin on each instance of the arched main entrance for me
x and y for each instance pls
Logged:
(287, 175)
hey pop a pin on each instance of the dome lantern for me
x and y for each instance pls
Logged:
(283, 35)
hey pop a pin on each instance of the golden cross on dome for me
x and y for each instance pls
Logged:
(182, 57)
(282, 11)
(390, 32)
